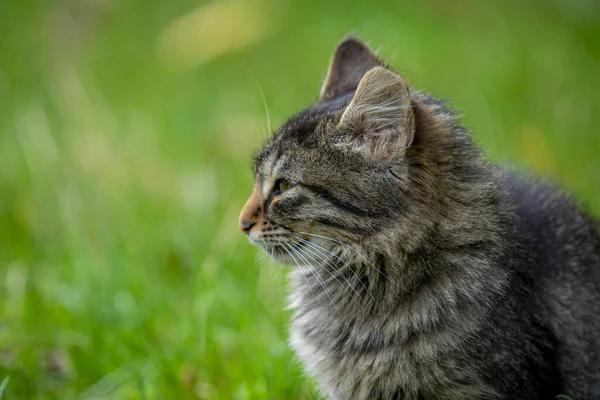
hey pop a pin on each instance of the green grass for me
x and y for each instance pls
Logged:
(124, 160)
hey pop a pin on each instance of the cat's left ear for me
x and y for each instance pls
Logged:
(379, 122)
(350, 61)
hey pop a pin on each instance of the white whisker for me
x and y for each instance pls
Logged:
(264, 100)
(321, 281)
(325, 251)
(330, 273)
(299, 267)
(352, 249)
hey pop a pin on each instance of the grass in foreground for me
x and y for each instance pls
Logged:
(124, 160)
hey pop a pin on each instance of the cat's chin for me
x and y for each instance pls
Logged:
(295, 252)
(283, 253)
(279, 253)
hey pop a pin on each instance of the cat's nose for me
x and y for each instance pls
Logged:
(251, 212)
(245, 225)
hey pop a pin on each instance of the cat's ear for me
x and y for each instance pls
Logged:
(379, 122)
(351, 60)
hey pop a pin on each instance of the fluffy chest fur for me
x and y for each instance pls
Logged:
(411, 347)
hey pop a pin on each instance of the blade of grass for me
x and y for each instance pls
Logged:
(3, 386)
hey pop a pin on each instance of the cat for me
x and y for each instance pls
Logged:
(421, 270)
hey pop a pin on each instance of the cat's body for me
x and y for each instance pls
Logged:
(422, 271)
(527, 342)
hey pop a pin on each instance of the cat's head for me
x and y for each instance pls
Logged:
(337, 171)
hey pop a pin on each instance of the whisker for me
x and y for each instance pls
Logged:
(264, 100)
(299, 267)
(321, 281)
(371, 228)
(317, 275)
(329, 272)
(352, 249)
(346, 264)
(276, 271)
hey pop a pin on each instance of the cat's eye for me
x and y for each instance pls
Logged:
(281, 185)
(284, 185)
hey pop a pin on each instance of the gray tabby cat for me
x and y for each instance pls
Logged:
(422, 270)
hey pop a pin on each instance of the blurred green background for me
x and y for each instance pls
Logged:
(126, 132)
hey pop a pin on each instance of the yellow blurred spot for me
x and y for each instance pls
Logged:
(535, 149)
(215, 29)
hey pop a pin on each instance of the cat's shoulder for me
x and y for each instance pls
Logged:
(550, 219)
(537, 197)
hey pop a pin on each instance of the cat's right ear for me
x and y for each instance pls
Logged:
(351, 60)
(379, 122)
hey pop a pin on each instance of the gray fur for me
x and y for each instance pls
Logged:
(426, 273)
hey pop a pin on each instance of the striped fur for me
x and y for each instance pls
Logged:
(422, 271)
